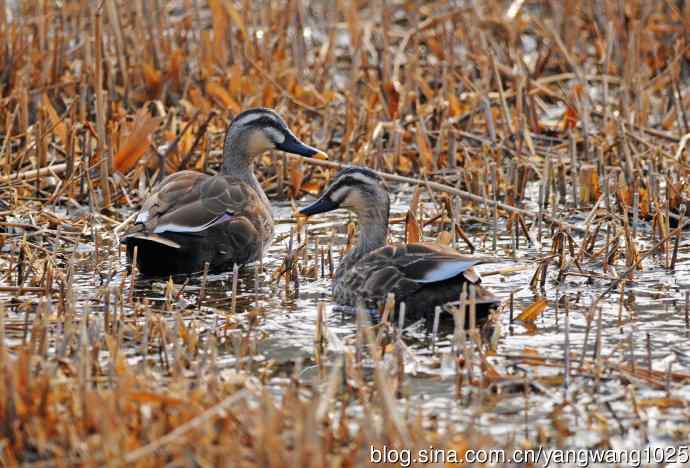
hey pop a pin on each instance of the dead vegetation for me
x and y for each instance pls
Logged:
(559, 128)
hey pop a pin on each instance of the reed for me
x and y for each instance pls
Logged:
(563, 155)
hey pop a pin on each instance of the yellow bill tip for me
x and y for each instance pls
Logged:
(321, 155)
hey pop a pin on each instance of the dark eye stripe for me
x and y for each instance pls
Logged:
(343, 185)
(359, 170)
(265, 121)
(259, 117)
(352, 178)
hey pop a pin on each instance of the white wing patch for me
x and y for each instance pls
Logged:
(447, 269)
(172, 227)
(472, 275)
(142, 217)
(156, 238)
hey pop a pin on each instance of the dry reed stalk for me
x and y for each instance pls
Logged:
(486, 127)
(566, 328)
(319, 337)
(434, 330)
(101, 151)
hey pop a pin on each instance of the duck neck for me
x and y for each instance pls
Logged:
(372, 235)
(237, 162)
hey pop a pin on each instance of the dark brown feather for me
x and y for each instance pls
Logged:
(179, 210)
(401, 270)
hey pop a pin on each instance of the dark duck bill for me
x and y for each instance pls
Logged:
(322, 205)
(291, 144)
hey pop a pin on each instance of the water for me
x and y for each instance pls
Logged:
(652, 305)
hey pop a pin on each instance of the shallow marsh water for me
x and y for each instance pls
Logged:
(653, 306)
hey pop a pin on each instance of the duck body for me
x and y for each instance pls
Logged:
(422, 276)
(419, 275)
(191, 219)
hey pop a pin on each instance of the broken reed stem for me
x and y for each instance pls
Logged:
(30, 175)
(460, 341)
(437, 316)
(233, 305)
(400, 366)
(566, 345)
(676, 243)
(473, 306)
(101, 151)
(631, 349)
(319, 337)
(526, 392)
(133, 273)
(543, 196)
(202, 290)
(391, 414)
(328, 398)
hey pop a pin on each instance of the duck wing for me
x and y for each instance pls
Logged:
(429, 263)
(406, 270)
(189, 202)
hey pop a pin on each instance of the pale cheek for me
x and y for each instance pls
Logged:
(355, 202)
(258, 144)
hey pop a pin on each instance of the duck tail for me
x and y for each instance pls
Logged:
(140, 236)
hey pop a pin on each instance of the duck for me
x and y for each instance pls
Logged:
(420, 275)
(192, 218)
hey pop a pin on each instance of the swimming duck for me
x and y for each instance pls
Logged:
(191, 218)
(422, 276)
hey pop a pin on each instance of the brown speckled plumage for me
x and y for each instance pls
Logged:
(238, 225)
(422, 276)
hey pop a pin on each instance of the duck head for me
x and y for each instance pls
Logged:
(357, 189)
(363, 192)
(257, 130)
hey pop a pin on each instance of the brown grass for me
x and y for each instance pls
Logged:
(471, 100)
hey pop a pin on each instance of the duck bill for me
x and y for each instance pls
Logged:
(294, 146)
(322, 205)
